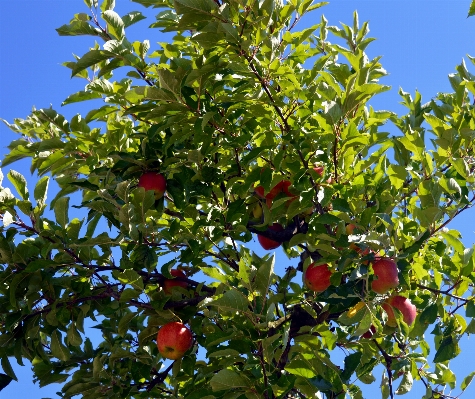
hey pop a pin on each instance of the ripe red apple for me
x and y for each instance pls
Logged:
(369, 334)
(153, 181)
(404, 305)
(319, 170)
(168, 284)
(285, 188)
(385, 270)
(280, 187)
(267, 243)
(317, 278)
(173, 340)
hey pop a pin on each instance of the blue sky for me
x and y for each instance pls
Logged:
(421, 42)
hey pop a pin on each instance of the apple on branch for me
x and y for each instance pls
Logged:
(281, 187)
(267, 243)
(319, 170)
(404, 305)
(153, 181)
(169, 284)
(369, 334)
(173, 340)
(317, 277)
(386, 273)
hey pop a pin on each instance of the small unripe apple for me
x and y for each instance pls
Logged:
(267, 243)
(173, 340)
(168, 284)
(404, 305)
(257, 211)
(153, 181)
(386, 273)
(317, 278)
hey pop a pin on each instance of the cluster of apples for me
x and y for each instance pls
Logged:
(317, 279)
(174, 338)
(281, 189)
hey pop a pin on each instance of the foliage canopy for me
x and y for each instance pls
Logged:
(239, 98)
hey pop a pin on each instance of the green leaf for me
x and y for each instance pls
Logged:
(429, 315)
(93, 57)
(115, 25)
(19, 182)
(124, 322)
(397, 175)
(81, 96)
(194, 6)
(406, 384)
(7, 368)
(73, 337)
(467, 380)
(58, 349)
(107, 5)
(132, 18)
(231, 300)
(448, 349)
(228, 379)
(470, 309)
(78, 28)
(471, 11)
(352, 361)
(265, 275)
(61, 208)
(41, 189)
(132, 278)
(128, 220)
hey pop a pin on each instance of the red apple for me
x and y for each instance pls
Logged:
(173, 340)
(267, 243)
(168, 284)
(385, 270)
(285, 188)
(153, 181)
(281, 187)
(319, 170)
(404, 305)
(317, 278)
(369, 334)
(259, 190)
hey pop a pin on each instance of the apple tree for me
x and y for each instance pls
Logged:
(257, 130)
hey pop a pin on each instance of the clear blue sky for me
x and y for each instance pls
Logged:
(421, 42)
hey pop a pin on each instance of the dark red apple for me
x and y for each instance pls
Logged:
(317, 278)
(168, 284)
(267, 243)
(385, 270)
(173, 340)
(153, 181)
(369, 334)
(404, 305)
